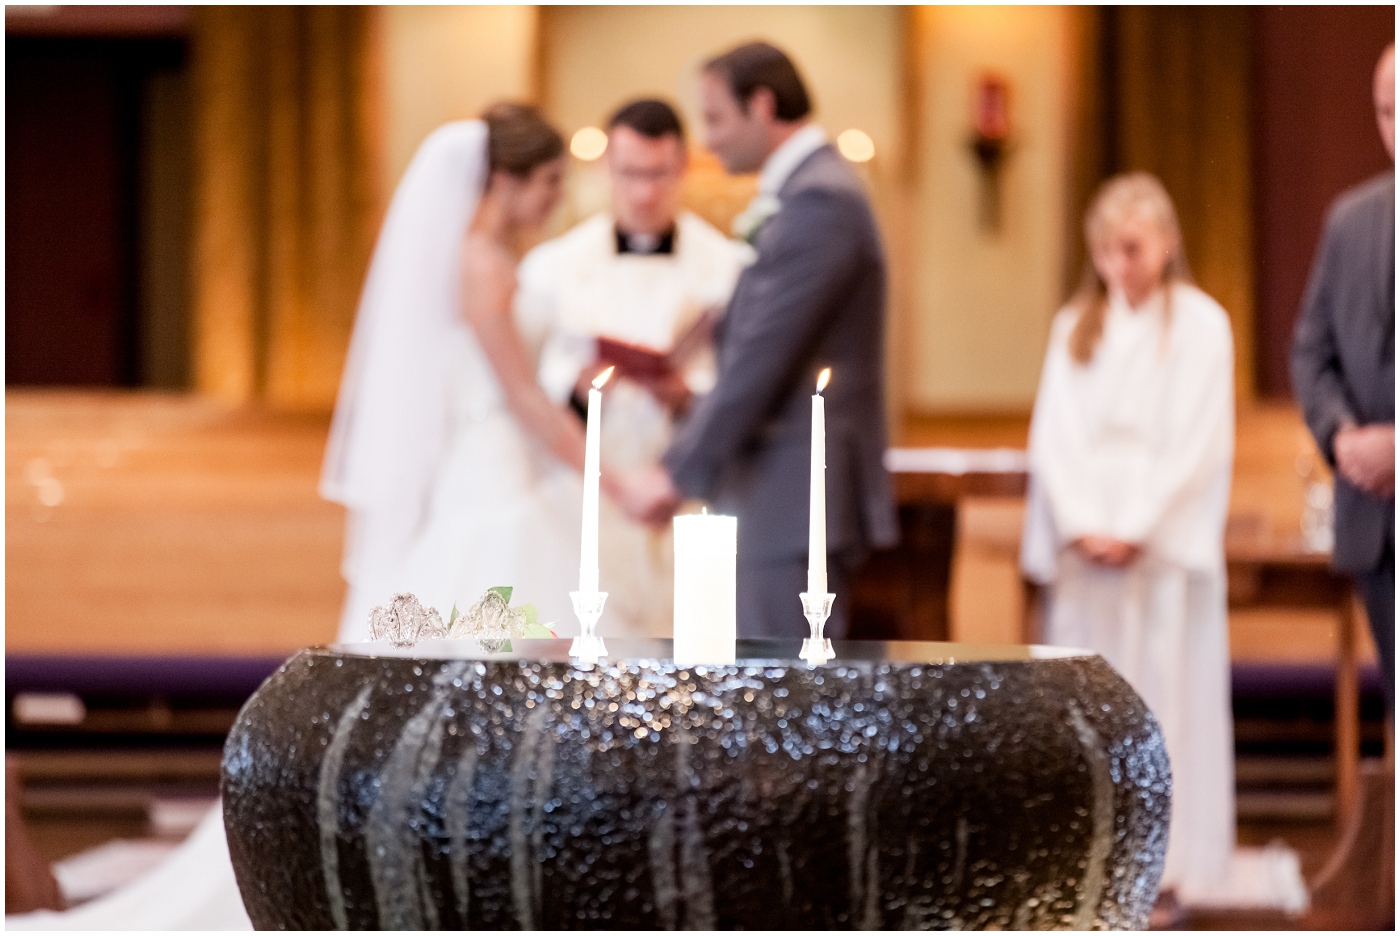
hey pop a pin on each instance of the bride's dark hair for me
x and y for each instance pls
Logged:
(519, 138)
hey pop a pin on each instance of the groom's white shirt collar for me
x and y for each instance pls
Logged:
(784, 160)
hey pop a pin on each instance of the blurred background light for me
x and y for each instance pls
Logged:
(856, 145)
(588, 144)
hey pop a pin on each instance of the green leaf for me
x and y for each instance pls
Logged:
(532, 614)
(455, 615)
(507, 648)
(536, 631)
(504, 591)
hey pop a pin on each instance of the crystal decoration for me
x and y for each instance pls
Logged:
(588, 648)
(490, 622)
(816, 606)
(404, 621)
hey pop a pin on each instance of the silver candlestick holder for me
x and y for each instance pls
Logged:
(817, 649)
(588, 647)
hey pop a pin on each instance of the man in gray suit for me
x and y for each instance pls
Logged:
(814, 298)
(1344, 375)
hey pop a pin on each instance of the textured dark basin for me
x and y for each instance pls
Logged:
(901, 786)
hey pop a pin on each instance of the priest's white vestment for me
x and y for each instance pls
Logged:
(582, 287)
(1137, 445)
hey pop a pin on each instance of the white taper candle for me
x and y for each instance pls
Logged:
(816, 527)
(588, 551)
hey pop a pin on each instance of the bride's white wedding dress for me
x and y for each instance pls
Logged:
(447, 495)
(502, 510)
(192, 889)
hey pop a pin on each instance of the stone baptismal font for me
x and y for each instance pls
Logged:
(900, 785)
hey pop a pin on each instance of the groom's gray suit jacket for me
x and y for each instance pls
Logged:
(814, 298)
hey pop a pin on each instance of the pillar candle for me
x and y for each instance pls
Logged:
(705, 614)
(816, 520)
(588, 551)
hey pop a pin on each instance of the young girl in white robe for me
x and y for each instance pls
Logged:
(1130, 449)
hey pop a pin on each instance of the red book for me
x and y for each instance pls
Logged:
(646, 365)
(633, 361)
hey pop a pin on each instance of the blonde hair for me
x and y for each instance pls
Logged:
(1116, 198)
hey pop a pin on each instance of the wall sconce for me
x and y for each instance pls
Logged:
(991, 130)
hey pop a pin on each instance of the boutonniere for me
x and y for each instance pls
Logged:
(748, 222)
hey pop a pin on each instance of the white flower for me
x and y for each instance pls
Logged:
(763, 207)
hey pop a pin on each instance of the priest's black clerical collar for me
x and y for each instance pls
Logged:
(646, 243)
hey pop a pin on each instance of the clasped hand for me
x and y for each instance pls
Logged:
(1105, 550)
(1366, 457)
(646, 494)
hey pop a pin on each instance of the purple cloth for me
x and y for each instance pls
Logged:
(241, 676)
(145, 675)
(1296, 680)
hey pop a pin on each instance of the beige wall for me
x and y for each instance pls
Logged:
(969, 312)
(595, 58)
(446, 63)
(983, 300)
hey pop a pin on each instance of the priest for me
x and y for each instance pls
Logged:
(638, 287)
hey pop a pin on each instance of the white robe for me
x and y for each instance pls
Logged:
(583, 289)
(1137, 445)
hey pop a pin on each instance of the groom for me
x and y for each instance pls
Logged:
(814, 298)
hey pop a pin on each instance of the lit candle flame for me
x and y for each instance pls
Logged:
(603, 378)
(823, 379)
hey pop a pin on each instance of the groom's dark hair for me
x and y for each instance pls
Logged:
(757, 65)
(651, 117)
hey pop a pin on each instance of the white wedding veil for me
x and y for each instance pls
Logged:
(391, 417)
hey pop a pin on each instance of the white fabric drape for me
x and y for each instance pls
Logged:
(1137, 445)
(192, 889)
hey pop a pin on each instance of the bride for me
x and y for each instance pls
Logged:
(458, 472)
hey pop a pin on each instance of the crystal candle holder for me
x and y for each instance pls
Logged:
(817, 649)
(588, 646)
